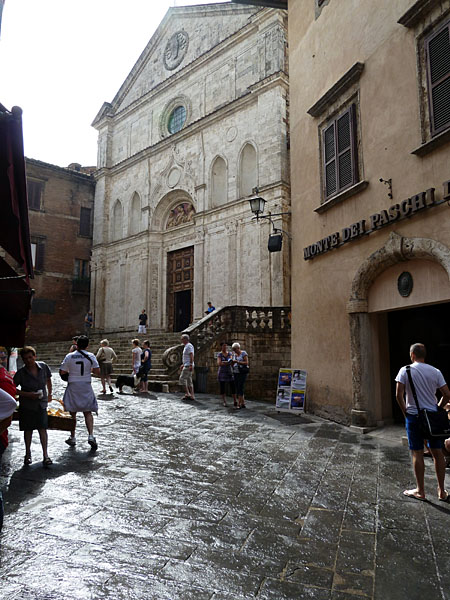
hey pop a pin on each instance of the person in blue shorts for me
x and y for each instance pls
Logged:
(426, 380)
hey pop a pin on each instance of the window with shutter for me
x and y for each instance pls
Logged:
(85, 222)
(37, 253)
(34, 193)
(339, 153)
(438, 75)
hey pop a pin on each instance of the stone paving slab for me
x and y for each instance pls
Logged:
(196, 501)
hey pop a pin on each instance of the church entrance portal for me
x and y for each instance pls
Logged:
(180, 285)
(427, 324)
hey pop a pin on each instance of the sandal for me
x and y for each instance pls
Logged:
(47, 461)
(27, 460)
(446, 499)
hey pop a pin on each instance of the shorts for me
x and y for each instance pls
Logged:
(415, 435)
(186, 376)
(142, 329)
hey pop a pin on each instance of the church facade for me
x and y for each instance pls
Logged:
(200, 122)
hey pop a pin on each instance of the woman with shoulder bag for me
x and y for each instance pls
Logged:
(224, 373)
(240, 371)
(105, 357)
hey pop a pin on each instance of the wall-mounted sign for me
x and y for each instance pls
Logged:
(405, 209)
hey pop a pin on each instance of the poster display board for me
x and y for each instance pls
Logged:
(291, 390)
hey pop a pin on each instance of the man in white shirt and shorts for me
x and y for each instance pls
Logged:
(426, 380)
(79, 395)
(187, 366)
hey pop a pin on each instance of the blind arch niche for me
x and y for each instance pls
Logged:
(117, 223)
(219, 182)
(248, 170)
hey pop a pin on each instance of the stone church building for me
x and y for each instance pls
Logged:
(199, 123)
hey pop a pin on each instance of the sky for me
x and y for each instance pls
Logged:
(61, 59)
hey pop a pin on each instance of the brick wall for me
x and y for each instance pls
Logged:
(58, 311)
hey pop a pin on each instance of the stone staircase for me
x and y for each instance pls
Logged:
(53, 353)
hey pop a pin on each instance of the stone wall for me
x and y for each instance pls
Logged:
(268, 352)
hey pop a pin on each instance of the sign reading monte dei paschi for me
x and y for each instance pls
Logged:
(404, 209)
(200, 121)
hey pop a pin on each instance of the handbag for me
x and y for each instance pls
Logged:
(434, 424)
(243, 369)
(102, 357)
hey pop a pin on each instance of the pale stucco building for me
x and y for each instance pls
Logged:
(201, 120)
(371, 223)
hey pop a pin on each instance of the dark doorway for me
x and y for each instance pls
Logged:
(427, 324)
(182, 315)
(180, 284)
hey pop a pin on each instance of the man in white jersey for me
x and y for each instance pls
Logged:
(187, 366)
(79, 395)
(426, 380)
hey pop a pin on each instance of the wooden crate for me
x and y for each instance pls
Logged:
(54, 422)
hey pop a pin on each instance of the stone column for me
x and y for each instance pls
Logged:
(199, 273)
(361, 350)
(231, 228)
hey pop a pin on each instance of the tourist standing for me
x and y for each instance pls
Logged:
(426, 380)
(79, 395)
(240, 371)
(88, 323)
(187, 367)
(143, 317)
(225, 374)
(146, 365)
(136, 356)
(105, 357)
(35, 381)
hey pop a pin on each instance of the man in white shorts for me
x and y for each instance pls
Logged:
(187, 366)
(79, 395)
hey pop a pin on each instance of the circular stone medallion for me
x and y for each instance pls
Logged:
(231, 134)
(174, 177)
(176, 49)
(405, 284)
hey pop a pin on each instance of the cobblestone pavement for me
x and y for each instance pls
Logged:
(197, 501)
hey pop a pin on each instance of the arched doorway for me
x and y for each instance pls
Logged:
(373, 326)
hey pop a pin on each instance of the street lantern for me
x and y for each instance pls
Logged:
(257, 205)
(276, 237)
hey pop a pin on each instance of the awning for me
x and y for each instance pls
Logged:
(14, 227)
(15, 304)
(15, 292)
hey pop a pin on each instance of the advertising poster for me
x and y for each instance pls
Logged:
(291, 390)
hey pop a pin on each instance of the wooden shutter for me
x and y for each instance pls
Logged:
(40, 252)
(438, 74)
(339, 148)
(85, 222)
(34, 192)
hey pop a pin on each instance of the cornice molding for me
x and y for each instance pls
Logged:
(417, 12)
(339, 88)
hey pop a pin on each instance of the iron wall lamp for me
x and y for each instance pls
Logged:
(276, 237)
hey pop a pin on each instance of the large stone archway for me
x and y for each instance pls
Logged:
(396, 249)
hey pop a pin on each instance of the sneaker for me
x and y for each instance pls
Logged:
(92, 442)
(71, 441)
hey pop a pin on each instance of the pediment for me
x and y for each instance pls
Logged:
(185, 34)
